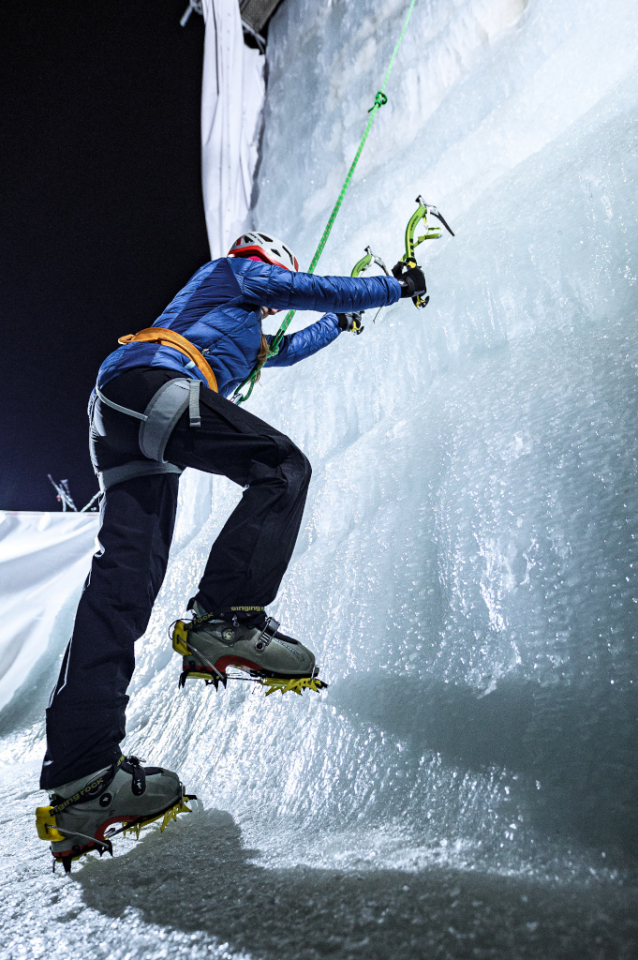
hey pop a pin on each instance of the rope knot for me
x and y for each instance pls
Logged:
(379, 101)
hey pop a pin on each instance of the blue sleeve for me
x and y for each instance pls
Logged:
(297, 346)
(270, 286)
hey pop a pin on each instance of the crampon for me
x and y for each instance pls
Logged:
(48, 829)
(86, 813)
(198, 666)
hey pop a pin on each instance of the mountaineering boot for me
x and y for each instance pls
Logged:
(83, 813)
(210, 645)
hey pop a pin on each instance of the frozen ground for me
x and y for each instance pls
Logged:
(467, 786)
(201, 892)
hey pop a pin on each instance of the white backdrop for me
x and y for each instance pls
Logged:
(44, 559)
(232, 101)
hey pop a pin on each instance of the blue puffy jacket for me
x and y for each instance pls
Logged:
(219, 310)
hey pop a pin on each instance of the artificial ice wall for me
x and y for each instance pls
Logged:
(468, 564)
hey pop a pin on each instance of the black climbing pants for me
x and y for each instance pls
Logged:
(86, 714)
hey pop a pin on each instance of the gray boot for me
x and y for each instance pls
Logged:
(210, 646)
(84, 813)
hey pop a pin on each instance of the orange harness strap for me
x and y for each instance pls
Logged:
(168, 338)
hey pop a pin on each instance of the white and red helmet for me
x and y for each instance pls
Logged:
(266, 248)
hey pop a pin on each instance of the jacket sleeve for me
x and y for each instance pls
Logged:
(297, 346)
(271, 286)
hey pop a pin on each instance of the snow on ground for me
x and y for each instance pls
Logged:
(199, 891)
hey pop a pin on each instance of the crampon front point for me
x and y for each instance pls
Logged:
(197, 666)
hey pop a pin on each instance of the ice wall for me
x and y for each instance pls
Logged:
(467, 568)
(467, 565)
(470, 541)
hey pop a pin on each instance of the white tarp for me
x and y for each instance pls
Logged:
(232, 100)
(44, 559)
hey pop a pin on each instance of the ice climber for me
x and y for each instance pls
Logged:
(160, 405)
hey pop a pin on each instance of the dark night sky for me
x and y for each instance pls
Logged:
(101, 212)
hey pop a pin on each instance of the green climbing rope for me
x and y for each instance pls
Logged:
(379, 101)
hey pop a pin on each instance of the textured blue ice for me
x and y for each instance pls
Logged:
(467, 568)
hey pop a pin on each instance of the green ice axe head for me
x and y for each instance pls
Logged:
(431, 233)
(369, 258)
(362, 265)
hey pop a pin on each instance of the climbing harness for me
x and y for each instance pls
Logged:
(162, 412)
(379, 101)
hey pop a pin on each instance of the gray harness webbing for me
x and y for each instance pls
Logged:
(157, 423)
(116, 406)
(162, 413)
(133, 469)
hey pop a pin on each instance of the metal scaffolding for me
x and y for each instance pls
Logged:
(255, 15)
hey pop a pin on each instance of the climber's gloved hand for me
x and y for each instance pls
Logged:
(350, 321)
(411, 279)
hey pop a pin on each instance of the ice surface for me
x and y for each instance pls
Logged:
(467, 568)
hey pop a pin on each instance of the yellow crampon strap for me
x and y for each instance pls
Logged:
(46, 826)
(180, 638)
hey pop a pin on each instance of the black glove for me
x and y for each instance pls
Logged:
(350, 321)
(411, 279)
